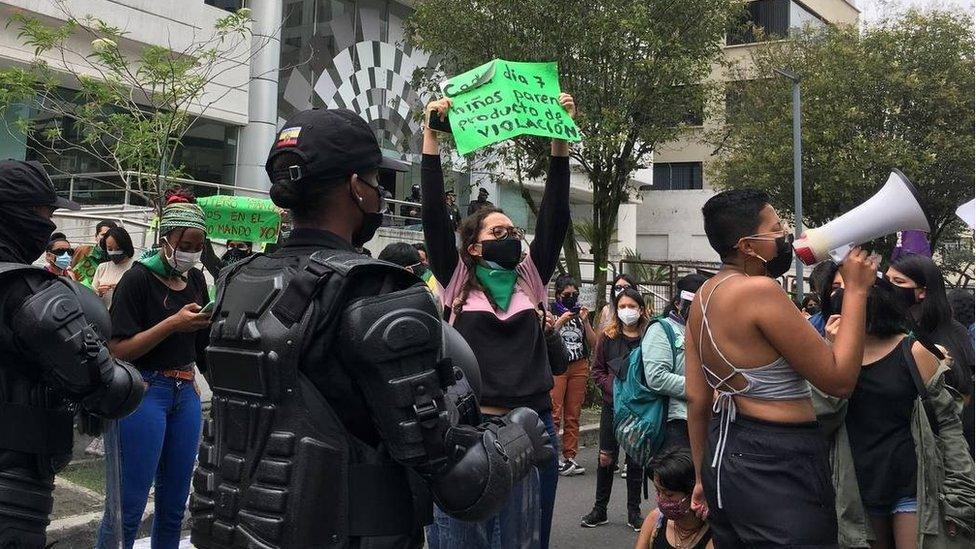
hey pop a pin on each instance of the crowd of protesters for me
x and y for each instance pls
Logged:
(844, 419)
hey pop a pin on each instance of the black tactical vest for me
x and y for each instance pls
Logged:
(277, 468)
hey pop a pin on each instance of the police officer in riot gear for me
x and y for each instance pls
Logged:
(53, 358)
(338, 417)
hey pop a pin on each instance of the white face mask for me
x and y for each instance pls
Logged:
(182, 262)
(628, 316)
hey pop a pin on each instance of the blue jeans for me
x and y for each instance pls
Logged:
(157, 444)
(523, 523)
(548, 478)
(516, 526)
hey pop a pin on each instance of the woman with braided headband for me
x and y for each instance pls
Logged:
(157, 324)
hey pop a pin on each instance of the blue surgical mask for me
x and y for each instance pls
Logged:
(63, 261)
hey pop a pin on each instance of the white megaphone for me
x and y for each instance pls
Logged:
(896, 207)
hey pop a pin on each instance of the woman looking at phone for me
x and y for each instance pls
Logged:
(158, 326)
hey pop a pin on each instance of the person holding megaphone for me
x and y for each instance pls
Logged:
(763, 473)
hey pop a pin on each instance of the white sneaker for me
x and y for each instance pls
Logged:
(570, 468)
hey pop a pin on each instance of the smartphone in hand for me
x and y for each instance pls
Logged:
(438, 124)
(207, 309)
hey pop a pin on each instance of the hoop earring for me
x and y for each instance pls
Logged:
(762, 264)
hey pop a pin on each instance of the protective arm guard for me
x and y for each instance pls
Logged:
(392, 343)
(52, 327)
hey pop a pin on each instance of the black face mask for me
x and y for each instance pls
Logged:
(904, 296)
(24, 234)
(812, 309)
(371, 222)
(778, 265)
(569, 302)
(836, 301)
(505, 253)
(233, 255)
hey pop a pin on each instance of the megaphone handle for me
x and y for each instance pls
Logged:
(839, 254)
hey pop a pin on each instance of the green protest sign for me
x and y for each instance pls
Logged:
(241, 218)
(504, 99)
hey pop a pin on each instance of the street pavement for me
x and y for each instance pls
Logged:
(574, 498)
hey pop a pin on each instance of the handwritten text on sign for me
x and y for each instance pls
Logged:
(504, 99)
(241, 218)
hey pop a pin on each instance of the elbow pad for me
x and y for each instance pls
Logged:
(489, 461)
(53, 327)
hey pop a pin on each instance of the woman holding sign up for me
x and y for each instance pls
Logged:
(493, 292)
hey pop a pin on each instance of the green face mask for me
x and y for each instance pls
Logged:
(499, 283)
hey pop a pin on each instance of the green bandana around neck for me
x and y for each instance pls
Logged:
(499, 283)
(155, 262)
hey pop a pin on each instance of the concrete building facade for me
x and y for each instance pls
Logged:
(669, 225)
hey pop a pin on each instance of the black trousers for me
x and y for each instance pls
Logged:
(775, 486)
(604, 475)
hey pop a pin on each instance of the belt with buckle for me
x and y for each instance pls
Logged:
(184, 375)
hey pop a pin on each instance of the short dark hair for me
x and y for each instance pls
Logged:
(105, 223)
(963, 308)
(400, 253)
(731, 215)
(675, 470)
(935, 311)
(306, 197)
(56, 237)
(122, 238)
(884, 315)
(822, 276)
(420, 247)
(565, 280)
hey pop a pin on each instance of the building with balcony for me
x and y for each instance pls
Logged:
(669, 224)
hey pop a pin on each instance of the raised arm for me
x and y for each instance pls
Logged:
(442, 252)
(832, 369)
(554, 215)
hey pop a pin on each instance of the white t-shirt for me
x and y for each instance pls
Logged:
(109, 273)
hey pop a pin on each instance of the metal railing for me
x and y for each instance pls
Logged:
(86, 187)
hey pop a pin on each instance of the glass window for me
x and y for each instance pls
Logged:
(229, 5)
(772, 16)
(677, 176)
(802, 18)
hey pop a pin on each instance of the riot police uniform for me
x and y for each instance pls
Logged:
(338, 417)
(53, 360)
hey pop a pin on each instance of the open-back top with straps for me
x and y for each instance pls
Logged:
(774, 381)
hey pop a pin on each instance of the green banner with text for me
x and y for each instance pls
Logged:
(504, 99)
(241, 218)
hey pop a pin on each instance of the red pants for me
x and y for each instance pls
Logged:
(567, 394)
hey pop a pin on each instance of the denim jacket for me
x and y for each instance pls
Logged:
(945, 472)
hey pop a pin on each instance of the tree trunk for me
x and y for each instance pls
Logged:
(571, 252)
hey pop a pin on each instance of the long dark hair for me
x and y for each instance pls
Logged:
(935, 311)
(470, 228)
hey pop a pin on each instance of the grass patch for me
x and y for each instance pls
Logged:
(90, 475)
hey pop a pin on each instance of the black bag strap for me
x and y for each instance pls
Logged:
(923, 393)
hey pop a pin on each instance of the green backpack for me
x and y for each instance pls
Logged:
(639, 414)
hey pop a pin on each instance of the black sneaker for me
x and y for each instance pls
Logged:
(596, 517)
(570, 468)
(634, 520)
